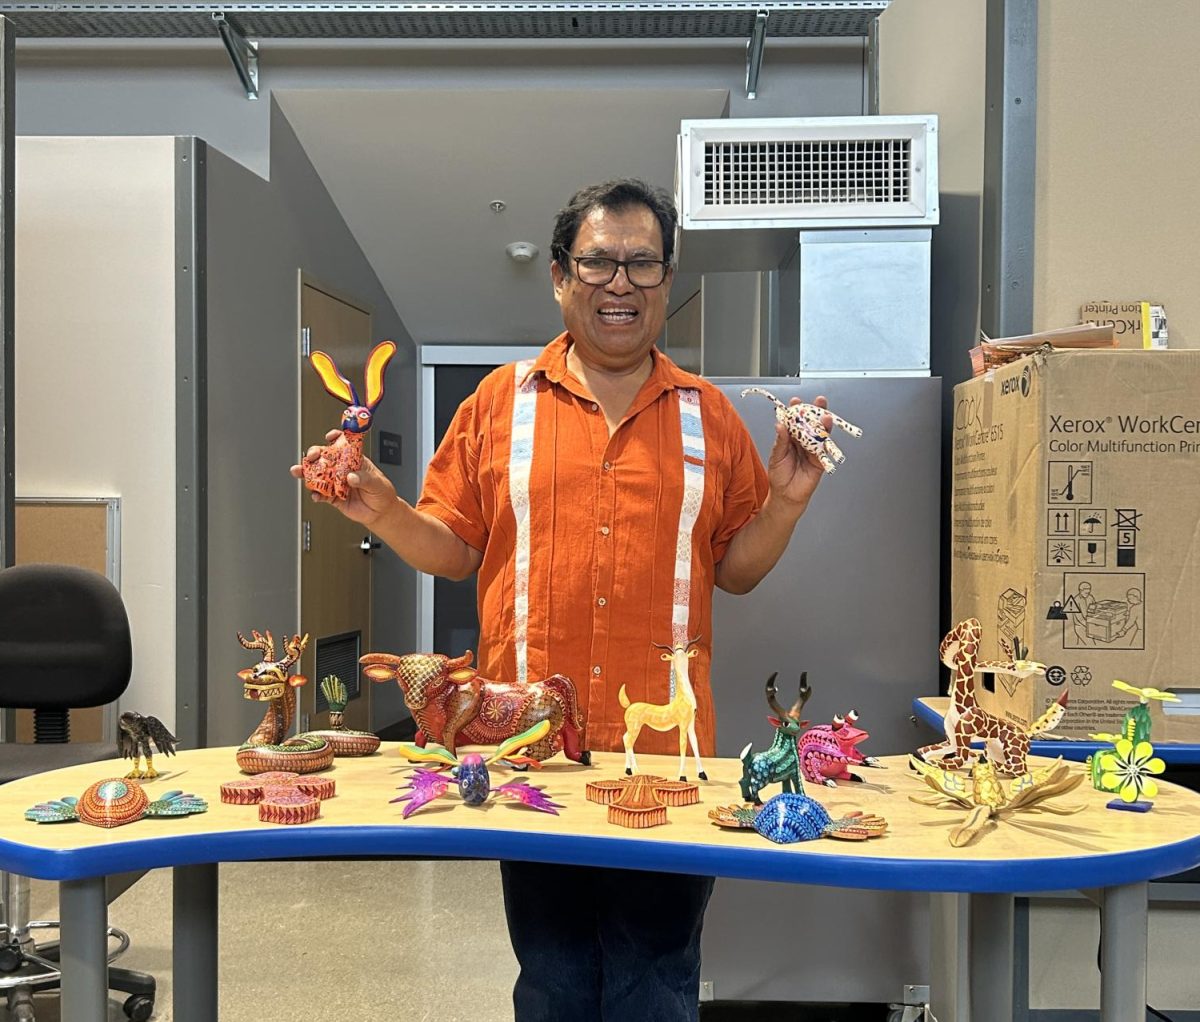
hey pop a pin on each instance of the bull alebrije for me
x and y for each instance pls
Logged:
(452, 703)
(471, 774)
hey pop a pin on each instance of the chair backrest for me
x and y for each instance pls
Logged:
(64, 638)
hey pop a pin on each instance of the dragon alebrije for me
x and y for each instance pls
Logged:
(787, 818)
(470, 772)
(268, 681)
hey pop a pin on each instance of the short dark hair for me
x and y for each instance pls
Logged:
(612, 195)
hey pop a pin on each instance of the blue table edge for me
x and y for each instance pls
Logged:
(758, 860)
(1076, 750)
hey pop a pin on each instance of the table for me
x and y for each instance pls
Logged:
(952, 916)
(1098, 848)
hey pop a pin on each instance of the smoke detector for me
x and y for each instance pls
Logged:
(522, 251)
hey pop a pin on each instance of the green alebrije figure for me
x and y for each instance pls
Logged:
(335, 692)
(1137, 723)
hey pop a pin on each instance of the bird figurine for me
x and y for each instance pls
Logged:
(135, 734)
(471, 774)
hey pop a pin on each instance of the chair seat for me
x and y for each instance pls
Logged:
(19, 760)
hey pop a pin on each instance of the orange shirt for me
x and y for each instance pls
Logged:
(603, 525)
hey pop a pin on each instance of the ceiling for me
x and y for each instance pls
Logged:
(413, 173)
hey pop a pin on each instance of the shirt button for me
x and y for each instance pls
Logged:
(602, 601)
(595, 407)
(608, 466)
(603, 530)
(596, 670)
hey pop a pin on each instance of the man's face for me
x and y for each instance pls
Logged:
(614, 325)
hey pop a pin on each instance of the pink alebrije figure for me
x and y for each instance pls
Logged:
(326, 473)
(803, 422)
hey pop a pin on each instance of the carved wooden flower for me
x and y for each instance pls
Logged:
(1128, 770)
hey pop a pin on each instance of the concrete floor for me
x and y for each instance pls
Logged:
(423, 941)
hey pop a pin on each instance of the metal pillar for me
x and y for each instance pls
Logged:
(991, 957)
(84, 949)
(8, 100)
(1124, 928)
(194, 955)
(191, 444)
(1009, 167)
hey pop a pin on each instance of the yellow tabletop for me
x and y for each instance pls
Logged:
(1096, 847)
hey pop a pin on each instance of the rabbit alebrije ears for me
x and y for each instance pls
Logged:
(343, 389)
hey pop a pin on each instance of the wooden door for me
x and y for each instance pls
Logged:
(335, 573)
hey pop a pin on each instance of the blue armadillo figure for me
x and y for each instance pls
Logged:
(790, 817)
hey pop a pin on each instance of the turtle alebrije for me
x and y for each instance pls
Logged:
(113, 802)
(790, 817)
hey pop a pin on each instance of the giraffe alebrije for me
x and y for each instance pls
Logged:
(1005, 744)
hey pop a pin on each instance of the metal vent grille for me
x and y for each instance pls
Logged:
(581, 19)
(773, 172)
(338, 654)
(807, 172)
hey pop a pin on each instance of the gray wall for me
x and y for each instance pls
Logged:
(180, 87)
(260, 234)
(853, 601)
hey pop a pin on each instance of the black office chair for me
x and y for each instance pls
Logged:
(64, 643)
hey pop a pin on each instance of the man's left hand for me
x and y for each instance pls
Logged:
(793, 473)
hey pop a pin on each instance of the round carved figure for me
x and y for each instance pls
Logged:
(112, 802)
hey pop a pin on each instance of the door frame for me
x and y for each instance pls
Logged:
(429, 357)
(305, 278)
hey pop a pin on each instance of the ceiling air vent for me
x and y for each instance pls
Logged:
(808, 172)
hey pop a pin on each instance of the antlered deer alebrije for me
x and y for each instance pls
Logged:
(326, 473)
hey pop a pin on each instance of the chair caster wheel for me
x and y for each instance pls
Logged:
(10, 958)
(139, 1007)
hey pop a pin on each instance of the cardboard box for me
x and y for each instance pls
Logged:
(1141, 325)
(1076, 511)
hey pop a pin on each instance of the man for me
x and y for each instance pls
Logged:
(600, 492)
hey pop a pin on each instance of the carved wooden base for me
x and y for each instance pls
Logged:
(289, 808)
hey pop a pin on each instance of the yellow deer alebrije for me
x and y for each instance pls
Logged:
(679, 713)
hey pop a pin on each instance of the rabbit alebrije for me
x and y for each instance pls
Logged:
(326, 473)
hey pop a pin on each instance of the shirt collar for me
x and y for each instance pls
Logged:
(552, 363)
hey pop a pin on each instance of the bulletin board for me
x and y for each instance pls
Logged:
(80, 531)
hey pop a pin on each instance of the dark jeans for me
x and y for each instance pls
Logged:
(604, 945)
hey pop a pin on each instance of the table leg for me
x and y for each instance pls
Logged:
(991, 958)
(1124, 922)
(949, 924)
(195, 943)
(83, 944)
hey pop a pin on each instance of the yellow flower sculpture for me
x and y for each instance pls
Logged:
(1128, 769)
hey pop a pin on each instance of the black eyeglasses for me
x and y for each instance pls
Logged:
(600, 270)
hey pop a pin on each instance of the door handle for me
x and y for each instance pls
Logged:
(368, 544)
